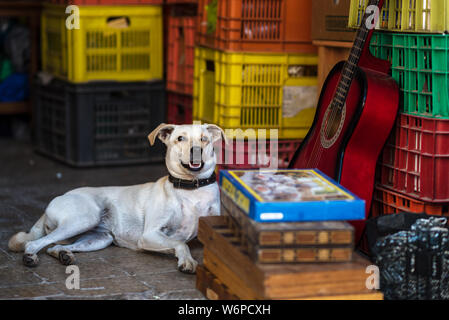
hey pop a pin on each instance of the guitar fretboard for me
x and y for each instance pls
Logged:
(350, 65)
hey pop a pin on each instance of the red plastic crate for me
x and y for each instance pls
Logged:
(180, 55)
(179, 108)
(256, 25)
(245, 154)
(106, 2)
(386, 201)
(416, 160)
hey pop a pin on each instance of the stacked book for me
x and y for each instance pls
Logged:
(282, 235)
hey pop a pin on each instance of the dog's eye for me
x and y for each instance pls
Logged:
(181, 138)
(204, 139)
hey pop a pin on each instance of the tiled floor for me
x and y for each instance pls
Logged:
(27, 183)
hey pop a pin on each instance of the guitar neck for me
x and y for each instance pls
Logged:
(350, 67)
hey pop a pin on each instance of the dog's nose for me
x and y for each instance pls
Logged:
(196, 155)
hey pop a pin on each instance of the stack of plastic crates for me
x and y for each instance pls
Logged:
(181, 21)
(106, 93)
(413, 170)
(256, 70)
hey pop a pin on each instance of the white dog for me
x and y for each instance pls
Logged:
(160, 216)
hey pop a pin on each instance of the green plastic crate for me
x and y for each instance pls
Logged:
(381, 45)
(420, 65)
(430, 16)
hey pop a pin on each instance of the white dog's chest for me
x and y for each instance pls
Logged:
(194, 205)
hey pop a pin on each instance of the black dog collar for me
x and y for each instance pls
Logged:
(192, 184)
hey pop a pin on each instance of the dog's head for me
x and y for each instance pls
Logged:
(190, 148)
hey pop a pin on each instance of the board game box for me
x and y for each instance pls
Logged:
(290, 195)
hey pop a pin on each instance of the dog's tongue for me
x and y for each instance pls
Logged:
(194, 165)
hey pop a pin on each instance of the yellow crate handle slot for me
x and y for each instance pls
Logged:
(122, 22)
(210, 65)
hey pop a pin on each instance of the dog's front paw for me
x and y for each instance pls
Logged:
(187, 265)
(30, 260)
(66, 257)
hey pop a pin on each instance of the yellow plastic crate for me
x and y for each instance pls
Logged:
(405, 15)
(121, 43)
(256, 91)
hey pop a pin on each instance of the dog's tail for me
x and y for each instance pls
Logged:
(18, 241)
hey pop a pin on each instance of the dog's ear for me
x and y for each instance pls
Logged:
(163, 131)
(216, 132)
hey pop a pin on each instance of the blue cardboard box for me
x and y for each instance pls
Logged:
(290, 195)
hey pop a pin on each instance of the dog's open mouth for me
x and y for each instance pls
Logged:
(193, 166)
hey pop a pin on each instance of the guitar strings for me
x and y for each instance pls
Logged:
(330, 119)
(351, 67)
(316, 154)
(354, 58)
(336, 109)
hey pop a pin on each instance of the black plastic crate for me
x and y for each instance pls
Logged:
(100, 123)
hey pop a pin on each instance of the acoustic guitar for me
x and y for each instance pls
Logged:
(355, 114)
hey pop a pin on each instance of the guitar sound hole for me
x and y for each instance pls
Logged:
(334, 119)
(333, 123)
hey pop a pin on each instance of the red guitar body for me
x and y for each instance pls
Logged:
(371, 107)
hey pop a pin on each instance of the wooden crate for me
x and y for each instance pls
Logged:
(214, 289)
(231, 265)
(211, 287)
(291, 242)
(329, 54)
